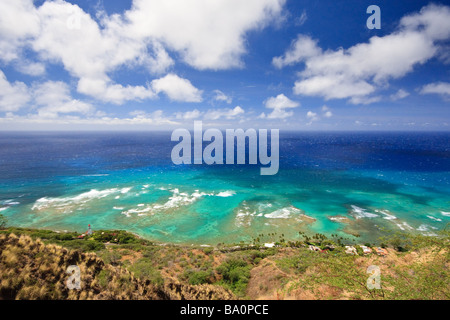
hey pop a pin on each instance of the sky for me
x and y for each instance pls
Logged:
(286, 64)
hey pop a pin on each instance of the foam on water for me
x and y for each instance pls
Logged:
(283, 213)
(359, 213)
(404, 226)
(226, 194)
(10, 202)
(425, 230)
(44, 203)
(387, 214)
(338, 219)
(244, 215)
(177, 200)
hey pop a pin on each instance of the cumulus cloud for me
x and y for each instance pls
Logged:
(400, 94)
(211, 114)
(327, 112)
(226, 113)
(312, 116)
(279, 104)
(89, 52)
(19, 23)
(30, 68)
(49, 99)
(189, 115)
(357, 72)
(177, 89)
(301, 49)
(220, 96)
(108, 91)
(205, 34)
(53, 98)
(441, 88)
(208, 34)
(13, 96)
(141, 117)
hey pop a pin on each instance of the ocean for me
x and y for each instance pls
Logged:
(350, 184)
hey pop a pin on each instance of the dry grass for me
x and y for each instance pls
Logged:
(31, 270)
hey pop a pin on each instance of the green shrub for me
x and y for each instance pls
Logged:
(144, 269)
(198, 277)
(110, 257)
(236, 274)
(83, 245)
(208, 251)
(64, 237)
(104, 278)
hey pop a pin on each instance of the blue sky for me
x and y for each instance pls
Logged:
(152, 65)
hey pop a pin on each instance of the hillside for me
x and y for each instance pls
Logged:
(119, 265)
(30, 269)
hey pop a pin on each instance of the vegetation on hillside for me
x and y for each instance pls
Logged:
(31, 269)
(119, 265)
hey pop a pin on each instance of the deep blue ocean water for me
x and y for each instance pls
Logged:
(333, 183)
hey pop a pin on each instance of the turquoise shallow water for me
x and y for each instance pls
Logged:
(329, 183)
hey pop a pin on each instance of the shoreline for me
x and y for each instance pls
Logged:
(232, 246)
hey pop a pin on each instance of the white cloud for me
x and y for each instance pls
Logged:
(13, 96)
(61, 32)
(18, 23)
(49, 99)
(312, 116)
(177, 89)
(89, 52)
(53, 98)
(432, 20)
(212, 114)
(205, 34)
(441, 88)
(302, 19)
(400, 94)
(30, 68)
(302, 48)
(189, 115)
(220, 96)
(279, 104)
(141, 117)
(326, 112)
(364, 99)
(208, 34)
(356, 73)
(226, 113)
(106, 90)
(137, 118)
